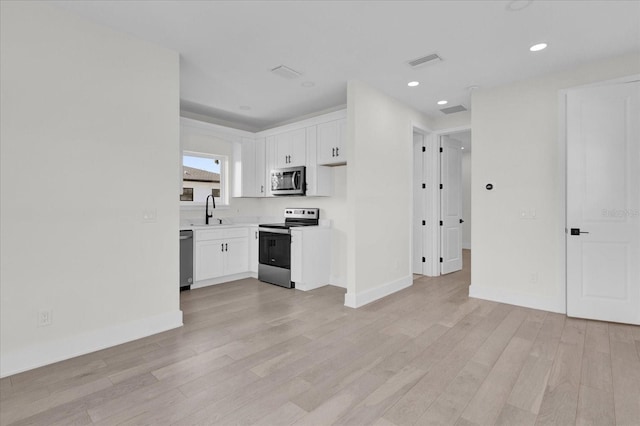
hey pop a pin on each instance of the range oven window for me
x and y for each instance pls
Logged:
(275, 249)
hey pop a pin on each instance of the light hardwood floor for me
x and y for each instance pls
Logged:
(252, 353)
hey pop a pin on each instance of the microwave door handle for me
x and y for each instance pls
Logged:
(295, 180)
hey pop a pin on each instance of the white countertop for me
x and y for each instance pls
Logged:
(216, 226)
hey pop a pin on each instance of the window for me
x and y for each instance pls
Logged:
(203, 174)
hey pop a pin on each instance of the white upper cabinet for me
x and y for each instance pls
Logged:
(260, 168)
(250, 168)
(317, 143)
(247, 166)
(331, 143)
(290, 149)
(319, 178)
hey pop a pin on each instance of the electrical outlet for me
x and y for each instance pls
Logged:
(45, 317)
(534, 277)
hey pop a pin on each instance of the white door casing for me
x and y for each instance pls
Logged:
(603, 203)
(419, 205)
(451, 205)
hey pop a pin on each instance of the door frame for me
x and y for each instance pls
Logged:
(436, 199)
(428, 142)
(419, 231)
(562, 171)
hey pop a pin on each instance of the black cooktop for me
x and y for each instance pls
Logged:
(285, 225)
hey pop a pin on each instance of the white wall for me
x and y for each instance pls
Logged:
(80, 100)
(380, 149)
(466, 199)
(515, 147)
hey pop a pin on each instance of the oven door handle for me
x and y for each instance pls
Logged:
(274, 230)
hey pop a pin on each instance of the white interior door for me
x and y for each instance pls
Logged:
(419, 212)
(451, 205)
(603, 203)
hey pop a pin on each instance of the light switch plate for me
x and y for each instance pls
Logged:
(149, 215)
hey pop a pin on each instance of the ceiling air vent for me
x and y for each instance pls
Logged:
(286, 72)
(453, 109)
(429, 59)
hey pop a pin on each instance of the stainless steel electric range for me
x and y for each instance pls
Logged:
(274, 265)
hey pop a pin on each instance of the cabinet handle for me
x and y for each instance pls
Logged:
(262, 189)
(226, 247)
(221, 247)
(256, 235)
(333, 152)
(337, 152)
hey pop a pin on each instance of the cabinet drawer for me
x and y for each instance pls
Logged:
(217, 234)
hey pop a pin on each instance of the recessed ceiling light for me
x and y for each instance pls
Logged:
(443, 102)
(308, 84)
(245, 107)
(462, 147)
(413, 83)
(538, 47)
(518, 5)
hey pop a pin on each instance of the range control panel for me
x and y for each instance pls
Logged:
(300, 213)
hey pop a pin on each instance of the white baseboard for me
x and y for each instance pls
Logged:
(518, 299)
(337, 281)
(222, 280)
(357, 300)
(308, 286)
(46, 353)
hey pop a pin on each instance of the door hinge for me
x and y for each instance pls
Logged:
(424, 222)
(441, 223)
(441, 260)
(441, 150)
(441, 187)
(424, 259)
(424, 149)
(424, 186)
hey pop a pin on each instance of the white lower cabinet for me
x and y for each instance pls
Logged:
(209, 259)
(226, 254)
(221, 252)
(310, 257)
(253, 249)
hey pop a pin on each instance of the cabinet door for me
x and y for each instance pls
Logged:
(271, 147)
(341, 152)
(282, 149)
(209, 259)
(331, 142)
(291, 149)
(253, 249)
(296, 256)
(236, 256)
(298, 155)
(248, 168)
(260, 168)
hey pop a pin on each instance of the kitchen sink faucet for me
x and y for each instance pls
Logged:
(208, 215)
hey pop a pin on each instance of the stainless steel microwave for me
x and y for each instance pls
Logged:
(289, 181)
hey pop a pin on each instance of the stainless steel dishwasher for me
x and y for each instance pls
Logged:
(186, 260)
